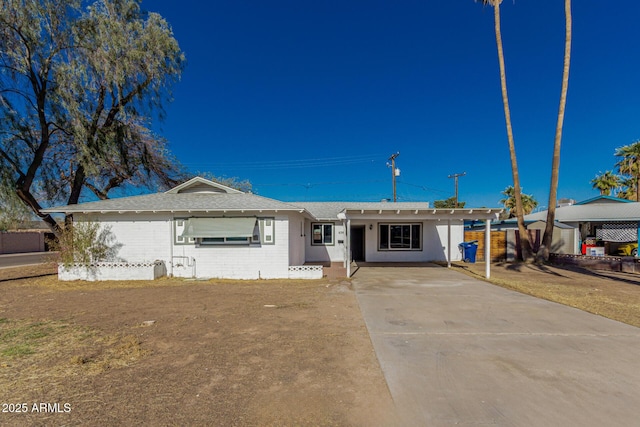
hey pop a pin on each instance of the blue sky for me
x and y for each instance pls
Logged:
(308, 100)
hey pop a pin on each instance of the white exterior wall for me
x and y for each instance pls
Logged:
(457, 237)
(147, 238)
(434, 241)
(256, 261)
(144, 237)
(325, 253)
(296, 240)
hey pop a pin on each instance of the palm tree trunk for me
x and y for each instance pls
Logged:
(543, 253)
(525, 243)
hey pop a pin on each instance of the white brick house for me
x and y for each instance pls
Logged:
(203, 229)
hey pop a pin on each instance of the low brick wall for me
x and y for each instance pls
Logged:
(305, 272)
(627, 264)
(113, 271)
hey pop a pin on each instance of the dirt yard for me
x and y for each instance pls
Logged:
(174, 352)
(228, 353)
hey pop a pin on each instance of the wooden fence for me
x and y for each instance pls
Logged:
(498, 244)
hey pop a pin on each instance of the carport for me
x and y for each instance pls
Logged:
(437, 228)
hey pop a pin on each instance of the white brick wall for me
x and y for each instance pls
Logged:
(150, 237)
(306, 272)
(236, 261)
(112, 271)
(144, 237)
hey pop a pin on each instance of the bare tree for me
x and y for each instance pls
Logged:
(78, 88)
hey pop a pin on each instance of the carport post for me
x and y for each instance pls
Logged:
(487, 248)
(449, 243)
(347, 241)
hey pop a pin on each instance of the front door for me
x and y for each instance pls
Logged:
(357, 243)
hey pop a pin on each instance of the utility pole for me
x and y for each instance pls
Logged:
(394, 172)
(455, 180)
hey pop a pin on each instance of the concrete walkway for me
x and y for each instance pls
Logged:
(458, 351)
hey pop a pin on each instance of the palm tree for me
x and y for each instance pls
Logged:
(524, 236)
(629, 164)
(606, 182)
(529, 203)
(543, 251)
(628, 191)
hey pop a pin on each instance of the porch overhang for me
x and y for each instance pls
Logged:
(424, 214)
(400, 213)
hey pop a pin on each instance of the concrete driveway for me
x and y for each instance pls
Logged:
(458, 351)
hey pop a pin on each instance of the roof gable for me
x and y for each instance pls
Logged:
(202, 185)
(603, 199)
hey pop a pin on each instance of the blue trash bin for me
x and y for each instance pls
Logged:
(469, 250)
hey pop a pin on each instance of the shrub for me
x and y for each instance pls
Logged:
(85, 243)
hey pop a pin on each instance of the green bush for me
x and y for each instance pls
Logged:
(85, 243)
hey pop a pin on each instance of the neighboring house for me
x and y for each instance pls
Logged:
(603, 218)
(204, 229)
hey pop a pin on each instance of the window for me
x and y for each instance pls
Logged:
(322, 234)
(223, 240)
(406, 237)
(216, 231)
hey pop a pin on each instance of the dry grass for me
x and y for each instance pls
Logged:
(28, 271)
(39, 352)
(185, 352)
(45, 276)
(612, 295)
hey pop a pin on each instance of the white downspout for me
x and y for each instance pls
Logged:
(346, 223)
(172, 238)
(347, 245)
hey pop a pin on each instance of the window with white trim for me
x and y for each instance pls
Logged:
(224, 240)
(322, 234)
(399, 237)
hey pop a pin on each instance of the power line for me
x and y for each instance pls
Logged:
(290, 163)
(316, 184)
(432, 190)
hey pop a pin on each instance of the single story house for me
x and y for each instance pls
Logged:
(203, 229)
(603, 218)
